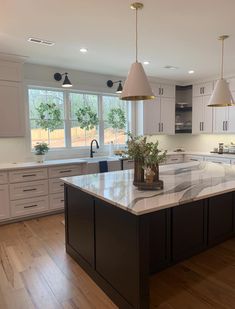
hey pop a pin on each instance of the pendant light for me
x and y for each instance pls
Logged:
(221, 95)
(136, 86)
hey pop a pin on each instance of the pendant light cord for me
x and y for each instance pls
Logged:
(136, 35)
(222, 60)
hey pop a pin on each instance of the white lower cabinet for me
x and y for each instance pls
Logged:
(30, 206)
(173, 159)
(57, 201)
(4, 202)
(188, 158)
(28, 189)
(218, 160)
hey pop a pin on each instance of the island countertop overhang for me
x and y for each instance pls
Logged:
(183, 183)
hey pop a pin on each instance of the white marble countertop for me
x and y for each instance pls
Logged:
(80, 160)
(23, 165)
(183, 183)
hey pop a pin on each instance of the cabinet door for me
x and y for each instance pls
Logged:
(11, 109)
(231, 113)
(231, 82)
(197, 115)
(207, 125)
(151, 116)
(220, 116)
(4, 202)
(167, 115)
(188, 230)
(207, 88)
(221, 211)
(168, 91)
(80, 223)
(197, 90)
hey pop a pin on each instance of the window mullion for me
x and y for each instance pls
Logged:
(67, 120)
(101, 119)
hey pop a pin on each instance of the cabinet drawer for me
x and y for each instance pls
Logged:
(217, 160)
(29, 206)
(27, 175)
(189, 158)
(28, 189)
(56, 185)
(57, 201)
(174, 159)
(65, 171)
(3, 178)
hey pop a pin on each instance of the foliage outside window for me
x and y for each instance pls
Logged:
(68, 119)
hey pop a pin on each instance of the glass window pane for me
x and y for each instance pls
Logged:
(46, 111)
(84, 118)
(115, 114)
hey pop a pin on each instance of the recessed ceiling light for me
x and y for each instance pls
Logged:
(191, 72)
(170, 67)
(146, 62)
(83, 50)
(40, 41)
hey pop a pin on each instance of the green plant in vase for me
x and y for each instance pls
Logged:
(40, 150)
(146, 155)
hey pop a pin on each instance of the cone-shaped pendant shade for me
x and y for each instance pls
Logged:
(136, 86)
(67, 83)
(221, 95)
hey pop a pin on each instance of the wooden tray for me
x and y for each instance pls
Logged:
(157, 185)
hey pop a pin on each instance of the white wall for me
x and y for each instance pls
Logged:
(18, 149)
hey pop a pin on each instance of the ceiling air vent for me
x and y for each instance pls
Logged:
(42, 42)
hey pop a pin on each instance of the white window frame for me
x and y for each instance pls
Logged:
(67, 120)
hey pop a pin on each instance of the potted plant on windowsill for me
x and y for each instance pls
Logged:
(40, 150)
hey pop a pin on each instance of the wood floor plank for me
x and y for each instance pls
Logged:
(36, 272)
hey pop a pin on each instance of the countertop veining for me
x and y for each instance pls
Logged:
(183, 183)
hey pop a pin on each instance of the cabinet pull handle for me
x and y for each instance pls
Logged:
(30, 206)
(194, 160)
(159, 127)
(203, 126)
(62, 185)
(27, 190)
(174, 159)
(29, 175)
(62, 200)
(200, 126)
(162, 91)
(226, 125)
(203, 90)
(159, 91)
(223, 125)
(66, 171)
(200, 90)
(162, 126)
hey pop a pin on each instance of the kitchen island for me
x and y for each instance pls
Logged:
(121, 236)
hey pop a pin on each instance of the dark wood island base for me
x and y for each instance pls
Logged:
(119, 250)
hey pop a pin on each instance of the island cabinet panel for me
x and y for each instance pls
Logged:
(220, 218)
(80, 223)
(122, 253)
(159, 240)
(188, 230)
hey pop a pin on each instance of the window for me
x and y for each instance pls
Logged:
(70, 119)
(46, 110)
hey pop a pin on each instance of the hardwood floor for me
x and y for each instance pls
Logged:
(35, 272)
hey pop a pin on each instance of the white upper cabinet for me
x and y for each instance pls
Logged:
(202, 115)
(164, 90)
(156, 116)
(220, 119)
(12, 120)
(11, 109)
(202, 89)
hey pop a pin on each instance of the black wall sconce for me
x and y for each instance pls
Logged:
(67, 83)
(110, 85)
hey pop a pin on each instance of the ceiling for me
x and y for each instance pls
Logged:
(182, 33)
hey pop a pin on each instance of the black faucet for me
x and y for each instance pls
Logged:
(91, 150)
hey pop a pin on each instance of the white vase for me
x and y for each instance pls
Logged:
(40, 158)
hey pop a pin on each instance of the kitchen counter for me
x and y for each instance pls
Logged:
(120, 235)
(183, 183)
